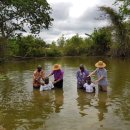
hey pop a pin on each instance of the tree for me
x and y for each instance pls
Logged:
(119, 29)
(101, 41)
(61, 41)
(124, 7)
(17, 15)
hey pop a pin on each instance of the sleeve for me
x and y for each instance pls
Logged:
(84, 85)
(77, 76)
(52, 86)
(41, 88)
(34, 75)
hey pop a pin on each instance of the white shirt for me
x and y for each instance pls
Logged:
(48, 86)
(89, 87)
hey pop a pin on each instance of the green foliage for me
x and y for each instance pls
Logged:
(61, 41)
(101, 41)
(3, 47)
(74, 46)
(16, 14)
(30, 46)
(124, 7)
(120, 32)
(13, 47)
(53, 50)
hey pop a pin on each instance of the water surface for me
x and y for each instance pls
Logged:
(22, 108)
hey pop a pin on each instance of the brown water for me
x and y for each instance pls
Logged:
(22, 108)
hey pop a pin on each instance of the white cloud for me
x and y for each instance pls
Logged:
(74, 16)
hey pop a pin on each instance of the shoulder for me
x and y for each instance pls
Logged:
(105, 70)
(35, 72)
(86, 71)
(85, 84)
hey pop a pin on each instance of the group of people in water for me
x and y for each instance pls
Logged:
(41, 82)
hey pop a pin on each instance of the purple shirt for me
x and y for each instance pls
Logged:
(58, 74)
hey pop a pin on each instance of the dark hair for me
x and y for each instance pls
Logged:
(89, 82)
(39, 68)
(88, 79)
(46, 80)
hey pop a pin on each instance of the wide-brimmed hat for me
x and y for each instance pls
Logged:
(57, 67)
(100, 64)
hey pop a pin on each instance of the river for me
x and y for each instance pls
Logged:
(22, 108)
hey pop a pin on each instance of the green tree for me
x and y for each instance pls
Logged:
(30, 46)
(120, 32)
(124, 7)
(101, 41)
(61, 41)
(16, 14)
(53, 50)
(74, 46)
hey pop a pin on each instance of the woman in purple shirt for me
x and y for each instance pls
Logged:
(58, 76)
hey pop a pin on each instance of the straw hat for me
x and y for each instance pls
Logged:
(100, 64)
(57, 67)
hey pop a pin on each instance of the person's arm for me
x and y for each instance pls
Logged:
(92, 73)
(104, 74)
(100, 78)
(56, 81)
(52, 86)
(43, 75)
(50, 74)
(78, 77)
(59, 78)
(34, 75)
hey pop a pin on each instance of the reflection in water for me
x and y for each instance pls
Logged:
(102, 105)
(45, 103)
(84, 100)
(21, 108)
(58, 100)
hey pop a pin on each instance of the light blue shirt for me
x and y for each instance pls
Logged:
(102, 72)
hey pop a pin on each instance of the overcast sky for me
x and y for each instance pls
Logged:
(74, 16)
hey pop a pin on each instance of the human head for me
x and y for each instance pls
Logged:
(39, 68)
(46, 80)
(81, 67)
(88, 79)
(100, 64)
(57, 67)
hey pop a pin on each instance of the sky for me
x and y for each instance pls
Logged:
(74, 16)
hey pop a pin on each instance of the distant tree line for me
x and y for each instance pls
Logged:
(113, 40)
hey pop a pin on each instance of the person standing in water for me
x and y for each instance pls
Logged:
(81, 76)
(58, 76)
(101, 73)
(38, 76)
